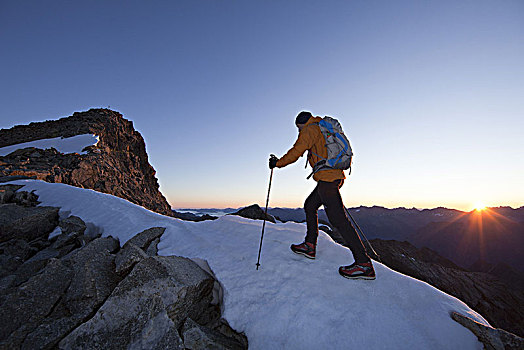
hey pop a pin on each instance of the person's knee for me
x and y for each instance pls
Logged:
(309, 206)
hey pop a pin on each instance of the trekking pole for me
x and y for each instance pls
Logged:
(362, 234)
(265, 215)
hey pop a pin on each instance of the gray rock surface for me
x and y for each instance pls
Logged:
(197, 337)
(146, 237)
(79, 291)
(13, 253)
(127, 258)
(156, 296)
(93, 280)
(152, 250)
(73, 224)
(492, 338)
(27, 223)
(25, 308)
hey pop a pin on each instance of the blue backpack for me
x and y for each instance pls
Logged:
(339, 152)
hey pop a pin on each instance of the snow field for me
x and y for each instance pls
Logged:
(291, 302)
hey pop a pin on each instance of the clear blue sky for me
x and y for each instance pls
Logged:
(430, 93)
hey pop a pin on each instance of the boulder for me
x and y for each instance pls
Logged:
(13, 253)
(27, 307)
(254, 212)
(152, 250)
(493, 339)
(92, 281)
(127, 258)
(146, 237)
(26, 223)
(147, 307)
(73, 224)
(197, 337)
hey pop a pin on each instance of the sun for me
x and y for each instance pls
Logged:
(480, 206)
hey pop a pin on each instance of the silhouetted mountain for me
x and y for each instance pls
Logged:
(193, 217)
(505, 272)
(487, 235)
(379, 222)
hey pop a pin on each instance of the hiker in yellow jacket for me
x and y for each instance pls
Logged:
(326, 193)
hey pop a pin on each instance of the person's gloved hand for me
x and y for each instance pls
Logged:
(273, 161)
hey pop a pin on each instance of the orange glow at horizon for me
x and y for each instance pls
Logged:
(480, 206)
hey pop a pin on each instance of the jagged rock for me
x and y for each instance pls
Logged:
(72, 234)
(218, 290)
(147, 307)
(10, 194)
(27, 307)
(13, 253)
(73, 224)
(27, 199)
(33, 265)
(117, 165)
(7, 192)
(193, 217)
(197, 337)
(254, 212)
(144, 238)
(223, 327)
(128, 257)
(152, 250)
(93, 279)
(493, 339)
(26, 223)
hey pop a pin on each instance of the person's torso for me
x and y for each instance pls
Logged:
(318, 152)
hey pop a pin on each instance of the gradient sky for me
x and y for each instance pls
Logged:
(430, 93)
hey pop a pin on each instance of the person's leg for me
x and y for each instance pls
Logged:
(330, 196)
(311, 205)
(308, 247)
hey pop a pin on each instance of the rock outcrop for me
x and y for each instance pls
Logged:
(117, 165)
(254, 212)
(193, 217)
(492, 338)
(61, 287)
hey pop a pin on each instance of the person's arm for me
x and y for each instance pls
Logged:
(303, 143)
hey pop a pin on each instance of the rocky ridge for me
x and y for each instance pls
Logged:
(254, 212)
(117, 165)
(63, 286)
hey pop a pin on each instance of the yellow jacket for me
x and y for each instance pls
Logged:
(311, 139)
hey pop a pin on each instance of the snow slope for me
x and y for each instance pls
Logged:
(74, 144)
(291, 302)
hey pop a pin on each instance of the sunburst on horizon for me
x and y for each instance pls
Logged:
(480, 206)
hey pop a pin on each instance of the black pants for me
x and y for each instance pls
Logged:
(327, 194)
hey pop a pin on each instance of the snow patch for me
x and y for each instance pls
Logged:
(74, 144)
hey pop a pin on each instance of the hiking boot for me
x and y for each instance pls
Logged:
(358, 271)
(306, 249)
